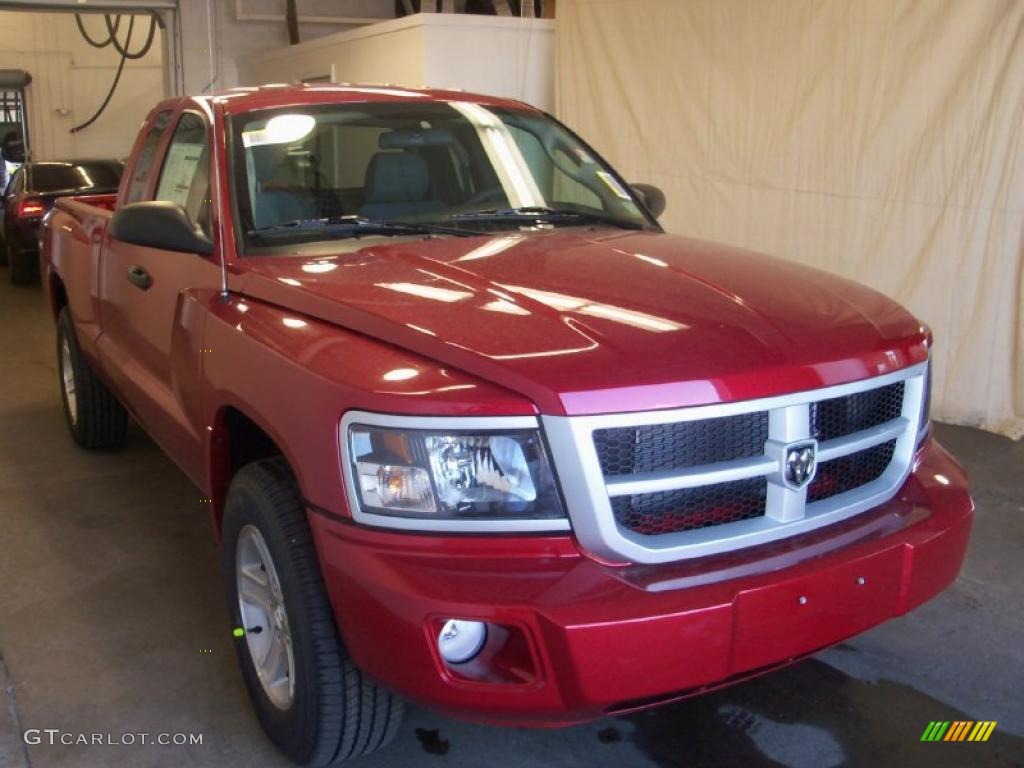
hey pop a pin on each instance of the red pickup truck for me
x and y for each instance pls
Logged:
(475, 432)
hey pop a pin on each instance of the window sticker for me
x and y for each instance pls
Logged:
(282, 129)
(179, 171)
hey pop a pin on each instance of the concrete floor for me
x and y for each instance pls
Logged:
(112, 621)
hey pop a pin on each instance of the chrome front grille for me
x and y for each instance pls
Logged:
(666, 485)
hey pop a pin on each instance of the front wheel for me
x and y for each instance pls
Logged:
(316, 706)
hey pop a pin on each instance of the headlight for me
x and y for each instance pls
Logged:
(450, 474)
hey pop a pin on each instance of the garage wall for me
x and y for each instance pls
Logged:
(261, 28)
(502, 56)
(493, 55)
(70, 79)
(880, 139)
(389, 52)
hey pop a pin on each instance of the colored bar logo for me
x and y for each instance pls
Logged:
(958, 730)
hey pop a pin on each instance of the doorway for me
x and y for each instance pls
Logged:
(14, 136)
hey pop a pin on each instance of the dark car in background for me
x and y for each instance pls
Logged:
(30, 194)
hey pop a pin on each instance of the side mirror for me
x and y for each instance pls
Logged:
(159, 224)
(650, 196)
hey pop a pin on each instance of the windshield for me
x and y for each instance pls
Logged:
(319, 172)
(88, 175)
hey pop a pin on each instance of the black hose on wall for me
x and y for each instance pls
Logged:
(125, 51)
(112, 29)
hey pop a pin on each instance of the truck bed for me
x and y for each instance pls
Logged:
(72, 244)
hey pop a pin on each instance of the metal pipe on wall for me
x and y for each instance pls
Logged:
(113, 6)
(242, 15)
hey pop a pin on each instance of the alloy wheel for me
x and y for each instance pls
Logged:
(264, 617)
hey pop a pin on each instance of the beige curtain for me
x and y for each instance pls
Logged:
(879, 139)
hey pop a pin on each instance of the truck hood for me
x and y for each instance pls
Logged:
(584, 321)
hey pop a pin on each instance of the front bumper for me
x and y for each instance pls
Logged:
(577, 639)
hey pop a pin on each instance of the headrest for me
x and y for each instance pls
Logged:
(265, 161)
(396, 177)
(429, 137)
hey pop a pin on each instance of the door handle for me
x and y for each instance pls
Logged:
(140, 278)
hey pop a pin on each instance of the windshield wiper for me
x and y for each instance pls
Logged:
(357, 226)
(544, 214)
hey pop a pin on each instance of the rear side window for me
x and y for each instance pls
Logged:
(185, 177)
(147, 154)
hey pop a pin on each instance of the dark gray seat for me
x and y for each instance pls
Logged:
(278, 206)
(280, 196)
(397, 186)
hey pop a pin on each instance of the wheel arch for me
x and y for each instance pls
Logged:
(58, 294)
(238, 438)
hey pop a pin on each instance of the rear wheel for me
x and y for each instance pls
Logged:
(23, 266)
(316, 706)
(95, 417)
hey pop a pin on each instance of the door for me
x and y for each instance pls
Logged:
(151, 315)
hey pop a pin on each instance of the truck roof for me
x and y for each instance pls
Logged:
(272, 96)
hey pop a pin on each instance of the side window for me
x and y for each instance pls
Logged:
(536, 158)
(147, 154)
(555, 184)
(185, 177)
(570, 190)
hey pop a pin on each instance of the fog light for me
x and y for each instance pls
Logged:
(461, 640)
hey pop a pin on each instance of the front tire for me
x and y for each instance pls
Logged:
(315, 705)
(95, 418)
